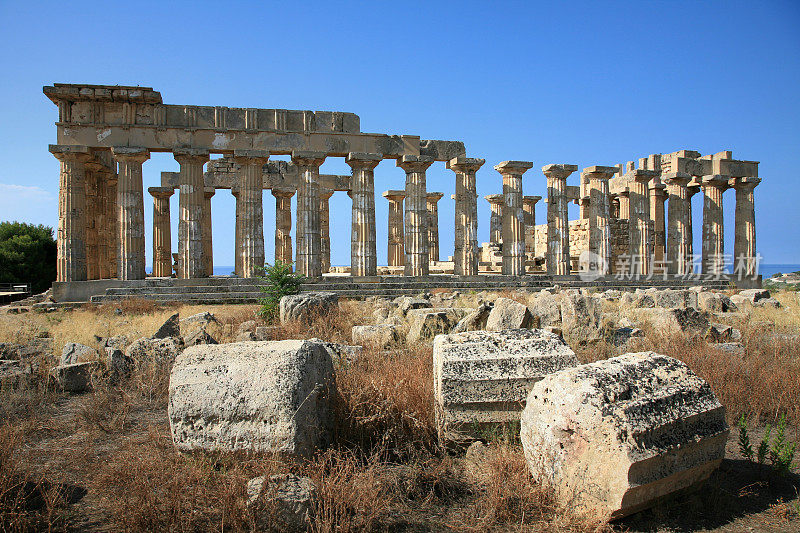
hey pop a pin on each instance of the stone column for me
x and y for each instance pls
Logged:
(513, 216)
(92, 214)
(237, 223)
(396, 237)
(713, 224)
(679, 238)
(309, 238)
(416, 215)
(325, 228)
(658, 196)
(495, 218)
(250, 244)
(529, 209)
(558, 258)
(433, 224)
(190, 224)
(162, 238)
(283, 224)
(71, 236)
(465, 253)
(744, 244)
(599, 229)
(102, 225)
(641, 241)
(623, 198)
(583, 203)
(112, 231)
(691, 189)
(363, 247)
(130, 209)
(208, 249)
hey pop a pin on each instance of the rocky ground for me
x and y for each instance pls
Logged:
(87, 444)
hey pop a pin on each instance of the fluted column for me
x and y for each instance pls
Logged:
(237, 230)
(283, 224)
(162, 238)
(692, 189)
(529, 209)
(250, 244)
(208, 250)
(309, 238)
(583, 204)
(744, 244)
(416, 215)
(92, 221)
(71, 236)
(363, 243)
(495, 218)
(102, 225)
(432, 199)
(623, 198)
(130, 209)
(641, 241)
(325, 228)
(679, 256)
(558, 258)
(396, 233)
(658, 196)
(713, 223)
(465, 253)
(111, 222)
(599, 230)
(190, 224)
(513, 218)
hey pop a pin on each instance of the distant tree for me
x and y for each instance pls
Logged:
(27, 255)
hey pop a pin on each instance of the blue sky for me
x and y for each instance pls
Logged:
(552, 82)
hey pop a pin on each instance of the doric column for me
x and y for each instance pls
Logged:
(363, 247)
(599, 229)
(529, 209)
(111, 222)
(465, 253)
(679, 238)
(658, 196)
(583, 203)
(309, 238)
(92, 214)
(641, 241)
(416, 214)
(613, 205)
(744, 244)
(623, 198)
(190, 224)
(130, 209)
(713, 224)
(325, 228)
(513, 218)
(208, 249)
(495, 218)
(558, 258)
(283, 224)
(102, 225)
(395, 235)
(71, 236)
(691, 189)
(433, 224)
(237, 229)
(250, 244)
(162, 238)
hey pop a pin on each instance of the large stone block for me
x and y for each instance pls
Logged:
(509, 314)
(673, 320)
(268, 396)
(612, 437)
(483, 377)
(380, 336)
(427, 323)
(304, 306)
(675, 298)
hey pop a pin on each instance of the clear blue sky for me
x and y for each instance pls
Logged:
(551, 82)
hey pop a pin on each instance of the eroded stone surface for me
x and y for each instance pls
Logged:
(509, 314)
(305, 306)
(616, 435)
(381, 335)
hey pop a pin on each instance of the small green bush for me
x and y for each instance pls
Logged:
(279, 281)
(780, 451)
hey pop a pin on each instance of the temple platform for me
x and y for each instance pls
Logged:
(218, 290)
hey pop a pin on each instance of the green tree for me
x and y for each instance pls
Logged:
(27, 255)
(279, 281)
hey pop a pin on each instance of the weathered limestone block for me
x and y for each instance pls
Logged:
(475, 320)
(258, 396)
(201, 336)
(427, 323)
(170, 328)
(675, 298)
(614, 436)
(484, 377)
(715, 302)
(75, 377)
(545, 308)
(304, 306)
(380, 336)
(15, 373)
(285, 502)
(673, 320)
(580, 315)
(159, 350)
(509, 314)
(74, 352)
(407, 303)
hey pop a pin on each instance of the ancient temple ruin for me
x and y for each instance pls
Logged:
(106, 133)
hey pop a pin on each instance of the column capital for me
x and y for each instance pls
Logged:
(66, 152)
(235, 192)
(415, 163)
(643, 176)
(465, 164)
(531, 200)
(715, 180)
(434, 196)
(191, 155)
(495, 199)
(130, 154)
(244, 157)
(625, 193)
(514, 168)
(161, 192)
(325, 194)
(744, 184)
(559, 171)
(395, 196)
(680, 179)
(282, 192)
(599, 172)
(308, 158)
(208, 192)
(363, 160)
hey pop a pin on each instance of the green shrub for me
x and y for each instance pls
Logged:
(279, 281)
(27, 255)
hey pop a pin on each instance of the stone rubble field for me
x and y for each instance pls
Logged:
(559, 409)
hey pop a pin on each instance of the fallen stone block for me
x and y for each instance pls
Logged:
(142, 350)
(283, 502)
(673, 320)
(74, 352)
(305, 306)
(267, 396)
(407, 303)
(715, 302)
(546, 309)
(381, 336)
(580, 317)
(509, 314)
(754, 295)
(675, 298)
(612, 437)
(204, 318)
(425, 324)
(170, 328)
(201, 336)
(75, 377)
(474, 320)
(15, 374)
(484, 377)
